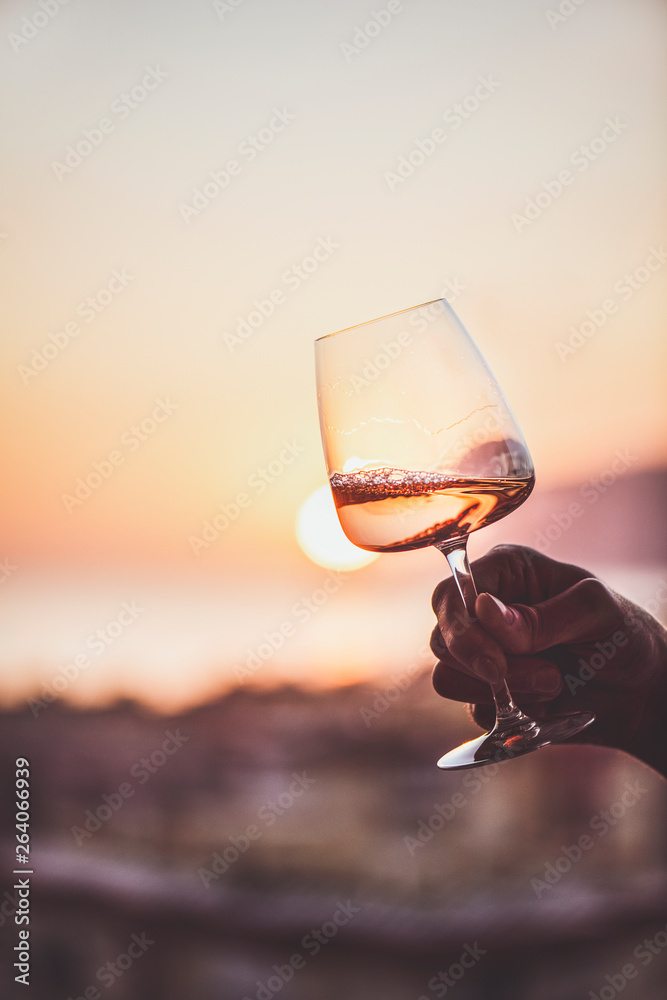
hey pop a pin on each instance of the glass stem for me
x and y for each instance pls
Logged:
(457, 557)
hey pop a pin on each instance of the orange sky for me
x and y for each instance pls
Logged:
(165, 95)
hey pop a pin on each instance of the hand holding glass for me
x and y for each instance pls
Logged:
(421, 449)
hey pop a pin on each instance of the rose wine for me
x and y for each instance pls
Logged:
(390, 510)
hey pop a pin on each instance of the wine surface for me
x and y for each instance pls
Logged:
(390, 510)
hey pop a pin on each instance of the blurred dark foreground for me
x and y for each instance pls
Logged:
(304, 845)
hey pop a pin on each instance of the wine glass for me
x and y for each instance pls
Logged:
(421, 449)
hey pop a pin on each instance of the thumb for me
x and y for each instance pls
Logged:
(585, 611)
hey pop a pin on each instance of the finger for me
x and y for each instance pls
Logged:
(583, 612)
(531, 679)
(483, 715)
(471, 648)
(437, 644)
(519, 574)
(460, 641)
(463, 642)
(450, 682)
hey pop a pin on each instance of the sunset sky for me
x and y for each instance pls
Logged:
(158, 322)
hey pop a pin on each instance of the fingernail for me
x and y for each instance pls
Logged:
(502, 608)
(546, 681)
(486, 668)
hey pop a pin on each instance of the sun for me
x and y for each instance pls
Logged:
(321, 537)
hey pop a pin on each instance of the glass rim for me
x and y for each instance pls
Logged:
(367, 322)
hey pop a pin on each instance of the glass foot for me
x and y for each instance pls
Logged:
(513, 740)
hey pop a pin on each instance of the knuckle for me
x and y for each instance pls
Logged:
(439, 594)
(512, 563)
(461, 646)
(437, 643)
(534, 621)
(593, 595)
(520, 553)
(528, 555)
(503, 549)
